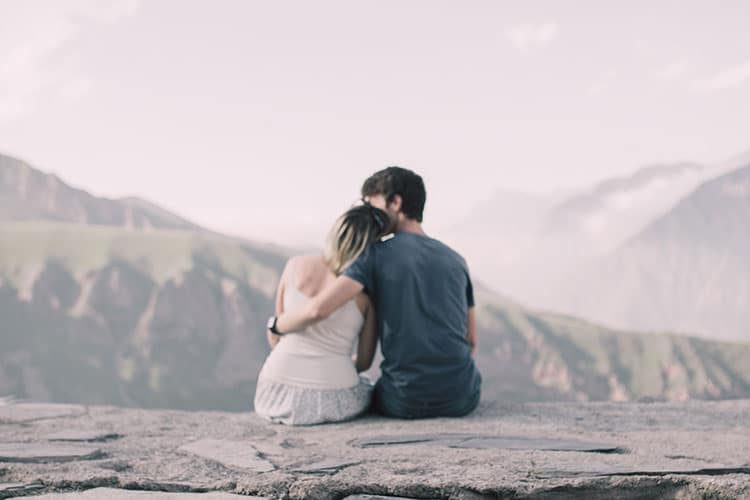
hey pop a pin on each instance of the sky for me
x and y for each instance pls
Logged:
(262, 118)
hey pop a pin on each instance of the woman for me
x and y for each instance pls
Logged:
(311, 377)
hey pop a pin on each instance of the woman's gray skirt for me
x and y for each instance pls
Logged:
(294, 405)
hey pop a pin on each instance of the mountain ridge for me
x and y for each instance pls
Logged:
(687, 271)
(27, 193)
(173, 317)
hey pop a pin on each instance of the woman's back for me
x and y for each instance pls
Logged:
(310, 377)
(321, 355)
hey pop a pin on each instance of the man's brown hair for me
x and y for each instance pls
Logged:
(393, 181)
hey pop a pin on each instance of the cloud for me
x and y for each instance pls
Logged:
(33, 36)
(733, 76)
(672, 70)
(530, 36)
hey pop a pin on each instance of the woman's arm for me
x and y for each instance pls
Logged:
(335, 295)
(471, 330)
(273, 339)
(368, 340)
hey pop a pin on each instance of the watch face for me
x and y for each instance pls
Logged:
(271, 321)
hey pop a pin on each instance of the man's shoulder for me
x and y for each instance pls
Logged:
(402, 241)
(450, 251)
(383, 243)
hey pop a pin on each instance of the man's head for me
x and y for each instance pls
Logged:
(398, 191)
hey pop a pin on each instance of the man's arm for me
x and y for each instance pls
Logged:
(335, 295)
(471, 329)
(368, 341)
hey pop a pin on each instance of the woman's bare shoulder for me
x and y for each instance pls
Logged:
(306, 271)
(305, 264)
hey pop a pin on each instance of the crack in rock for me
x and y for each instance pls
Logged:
(647, 471)
(409, 439)
(84, 436)
(9, 490)
(325, 466)
(520, 443)
(122, 494)
(42, 453)
(22, 413)
(476, 441)
(292, 443)
(377, 497)
(232, 454)
(116, 465)
(634, 489)
(687, 457)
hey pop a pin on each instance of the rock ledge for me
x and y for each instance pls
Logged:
(535, 451)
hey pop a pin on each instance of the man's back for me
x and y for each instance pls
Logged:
(422, 291)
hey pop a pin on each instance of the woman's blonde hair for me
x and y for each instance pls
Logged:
(352, 233)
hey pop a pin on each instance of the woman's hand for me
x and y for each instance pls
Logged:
(272, 338)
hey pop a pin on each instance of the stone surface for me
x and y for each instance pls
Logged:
(41, 452)
(115, 494)
(83, 436)
(237, 454)
(665, 450)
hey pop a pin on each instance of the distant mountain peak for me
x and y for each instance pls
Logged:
(647, 174)
(27, 193)
(615, 209)
(716, 207)
(688, 270)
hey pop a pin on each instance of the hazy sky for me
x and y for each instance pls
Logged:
(263, 117)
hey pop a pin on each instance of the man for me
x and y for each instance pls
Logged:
(424, 303)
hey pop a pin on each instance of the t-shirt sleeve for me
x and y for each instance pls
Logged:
(469, 291)
(362, 270)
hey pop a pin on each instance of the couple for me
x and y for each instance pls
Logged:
(408, 290)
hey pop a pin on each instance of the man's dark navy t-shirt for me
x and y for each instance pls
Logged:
(422, 291)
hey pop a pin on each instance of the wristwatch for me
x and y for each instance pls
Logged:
(271, 325)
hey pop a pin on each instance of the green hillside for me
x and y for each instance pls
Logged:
(159, 318)
(541, 356)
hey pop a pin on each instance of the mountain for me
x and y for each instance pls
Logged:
(164, 317)
(687, 271)
(618, 208)
(527, 245)
(526, 355)
(29, 194)
(175, 319)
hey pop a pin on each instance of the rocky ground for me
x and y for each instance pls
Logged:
(541, 451)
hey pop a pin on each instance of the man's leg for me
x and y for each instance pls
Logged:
(389, 406)
(464, 406)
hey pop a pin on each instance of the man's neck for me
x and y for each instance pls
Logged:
(410, 226)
